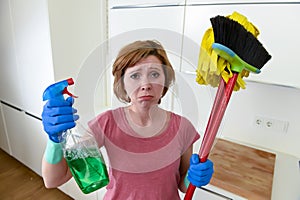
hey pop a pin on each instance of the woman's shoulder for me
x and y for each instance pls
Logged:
(179, 117)
(106, 116)
(110, 112)
(186, 130)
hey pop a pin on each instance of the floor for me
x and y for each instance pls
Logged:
(17, 182)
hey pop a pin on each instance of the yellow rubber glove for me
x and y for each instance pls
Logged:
(211, 66)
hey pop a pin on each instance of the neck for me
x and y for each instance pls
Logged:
(144, 116)
(147, 122)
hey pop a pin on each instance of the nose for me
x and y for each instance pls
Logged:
(146, 87)
(145, 84)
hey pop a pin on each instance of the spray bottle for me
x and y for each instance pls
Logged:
(80, 148)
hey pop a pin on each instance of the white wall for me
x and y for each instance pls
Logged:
(274, 102)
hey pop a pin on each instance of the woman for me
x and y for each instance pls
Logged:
(149, 148)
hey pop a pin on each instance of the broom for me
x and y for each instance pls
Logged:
(243, 51)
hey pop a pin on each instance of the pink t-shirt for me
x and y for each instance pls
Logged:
(142, 168)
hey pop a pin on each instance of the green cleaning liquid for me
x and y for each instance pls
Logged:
(87, 168)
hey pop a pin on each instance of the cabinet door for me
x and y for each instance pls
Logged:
(35, 140)
(28, 141)
(209, 2)
(15, 122)
(10, 89)
(143, 3)
(3, 135)
(26, 137)
(164, 24)
(25, 60)
(279, 34)
(33, 52)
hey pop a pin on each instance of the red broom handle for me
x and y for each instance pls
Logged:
(219, 95)
(220, 104)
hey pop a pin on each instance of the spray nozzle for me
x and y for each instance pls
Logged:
(57, 90)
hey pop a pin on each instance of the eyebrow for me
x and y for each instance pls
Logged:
(156, 67)
(134, 71)
(151, 67)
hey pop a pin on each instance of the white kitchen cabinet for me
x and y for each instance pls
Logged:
(41, 42)
(279, 28)
(10, 90)
(26, 68)
(286, 181)
(25, 60)
(164, 24)
(4, 143)
(144, 3)
(15, 121)
(28, 140)
(212, 2)
(78, 34)
(26, 137)
(33, 52)
(35, 141)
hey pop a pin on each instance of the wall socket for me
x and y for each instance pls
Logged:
(270, 124)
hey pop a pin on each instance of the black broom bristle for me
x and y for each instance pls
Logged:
(234, 36)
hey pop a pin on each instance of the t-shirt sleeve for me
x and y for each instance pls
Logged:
(97, 127)
(189, 134)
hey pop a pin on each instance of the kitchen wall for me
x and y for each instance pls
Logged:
(275, 104)
(277, 108)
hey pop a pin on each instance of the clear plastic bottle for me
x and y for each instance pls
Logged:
(84, 159)
(80, 148)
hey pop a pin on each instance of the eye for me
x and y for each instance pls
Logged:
(155, 74)
(135, 76)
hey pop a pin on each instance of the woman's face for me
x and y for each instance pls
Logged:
(144, 82)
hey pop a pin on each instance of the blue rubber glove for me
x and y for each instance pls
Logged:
(58, 115)
(199, 174)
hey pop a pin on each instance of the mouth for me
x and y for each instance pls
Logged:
(146, 97)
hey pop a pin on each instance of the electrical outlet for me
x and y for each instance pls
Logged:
(270, 124)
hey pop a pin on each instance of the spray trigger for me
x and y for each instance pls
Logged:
(65, 91)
